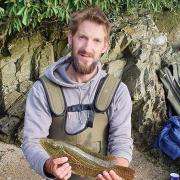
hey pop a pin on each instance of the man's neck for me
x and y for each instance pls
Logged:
(81, 78)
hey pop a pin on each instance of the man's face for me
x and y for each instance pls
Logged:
(88, 43)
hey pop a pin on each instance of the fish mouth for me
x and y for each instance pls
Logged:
(43, 141)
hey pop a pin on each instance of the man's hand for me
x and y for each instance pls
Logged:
(111, 175)
(59, 168)
(108, 176)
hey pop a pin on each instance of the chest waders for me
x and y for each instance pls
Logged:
(94, 136)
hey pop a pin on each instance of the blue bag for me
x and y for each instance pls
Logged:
(169, 138)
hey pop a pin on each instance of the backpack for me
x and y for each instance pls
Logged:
(170, 77)
(169, 138)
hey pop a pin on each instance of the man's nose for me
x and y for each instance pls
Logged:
(88, 47)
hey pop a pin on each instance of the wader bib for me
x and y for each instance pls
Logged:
(94, 136)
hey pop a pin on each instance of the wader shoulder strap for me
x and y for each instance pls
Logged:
(54, 95)
(106, 91)
(104, 95)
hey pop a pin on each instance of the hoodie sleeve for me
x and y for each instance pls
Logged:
(36, 125)
(119, 113)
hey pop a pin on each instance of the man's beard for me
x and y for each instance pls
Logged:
(83, 68)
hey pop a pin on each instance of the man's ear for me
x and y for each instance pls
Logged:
(70, 38)
(106, 47)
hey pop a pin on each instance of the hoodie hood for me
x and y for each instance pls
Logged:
(57, 73)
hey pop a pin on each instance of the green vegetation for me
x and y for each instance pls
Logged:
(18, 14)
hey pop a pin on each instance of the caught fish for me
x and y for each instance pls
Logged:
(83, 161)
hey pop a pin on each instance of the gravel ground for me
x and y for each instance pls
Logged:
(13, 166)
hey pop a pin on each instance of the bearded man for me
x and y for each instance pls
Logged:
(79, 76)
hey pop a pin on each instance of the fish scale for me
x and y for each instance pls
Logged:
(83, 161)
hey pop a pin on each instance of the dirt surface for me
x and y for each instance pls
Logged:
(13, 166)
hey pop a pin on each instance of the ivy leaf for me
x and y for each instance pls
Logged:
(20, 12)
(25, 17)
(10, 29)
(55, 10)
(1, 10)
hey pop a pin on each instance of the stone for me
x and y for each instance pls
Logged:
(8, 80)
(17, 48)
(43, 57)
(119, 42)
(8, 125)
(18, 107)
(116, 67)
(10, 99)
(160, 40)
(169, 23)
(47, 58)
(23, 70)
(35, 41)
(25, 86)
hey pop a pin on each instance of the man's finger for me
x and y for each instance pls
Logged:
(63, 170)
(100, 177)
(114, 175)
(107, 175)
(61, 160)
(68, 175)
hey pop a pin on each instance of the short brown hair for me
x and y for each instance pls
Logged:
(90, 14)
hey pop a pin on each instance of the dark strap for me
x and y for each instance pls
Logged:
(83, 107)
(54, 95)
(79, 107)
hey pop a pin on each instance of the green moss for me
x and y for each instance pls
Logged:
(166, 21)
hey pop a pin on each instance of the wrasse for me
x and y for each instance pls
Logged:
(83, 161)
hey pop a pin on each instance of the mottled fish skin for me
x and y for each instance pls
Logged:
(83, 161)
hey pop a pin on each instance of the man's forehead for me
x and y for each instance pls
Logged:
(92, 28)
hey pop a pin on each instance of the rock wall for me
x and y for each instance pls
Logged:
(28, 57)
(142, 57)
(137, 51)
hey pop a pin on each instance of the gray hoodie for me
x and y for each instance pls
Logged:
(38, 115)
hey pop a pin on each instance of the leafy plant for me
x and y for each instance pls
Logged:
(29, 13)
(1, 12)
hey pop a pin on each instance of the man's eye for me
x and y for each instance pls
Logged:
(81, 37)
(97, 40)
